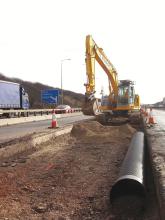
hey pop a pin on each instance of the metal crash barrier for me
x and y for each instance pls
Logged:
(34, 112)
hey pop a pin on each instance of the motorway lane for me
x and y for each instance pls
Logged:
(8, 133)
(156, 145)
(160, 118)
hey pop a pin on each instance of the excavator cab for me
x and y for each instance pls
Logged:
(125, 101)
(125, 98)
(126, 93)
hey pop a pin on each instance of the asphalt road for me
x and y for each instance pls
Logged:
(160, 118)
(15, 131)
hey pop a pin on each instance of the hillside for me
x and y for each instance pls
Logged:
(34, 90)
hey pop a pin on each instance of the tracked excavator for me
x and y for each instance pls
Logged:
(121, 98)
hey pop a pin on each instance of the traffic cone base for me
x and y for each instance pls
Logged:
(151, 120)
(54, 124)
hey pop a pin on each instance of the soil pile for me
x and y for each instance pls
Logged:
(93, 131)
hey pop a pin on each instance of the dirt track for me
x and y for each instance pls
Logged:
(68, 178)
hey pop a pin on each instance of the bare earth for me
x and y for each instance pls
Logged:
(68, 178)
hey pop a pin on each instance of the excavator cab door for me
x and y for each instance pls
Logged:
(126, 93)
(123, 95)
(131, 95)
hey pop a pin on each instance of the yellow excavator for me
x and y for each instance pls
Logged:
(121, 99)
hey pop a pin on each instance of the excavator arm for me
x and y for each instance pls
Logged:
(93, 52)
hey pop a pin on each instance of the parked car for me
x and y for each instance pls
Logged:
(63, 109)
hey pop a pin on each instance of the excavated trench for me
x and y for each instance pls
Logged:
(152, 210)
(141, 204)
(138, 205)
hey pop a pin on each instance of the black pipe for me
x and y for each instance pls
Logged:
(128, 192)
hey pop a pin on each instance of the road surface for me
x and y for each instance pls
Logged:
(156, 140)
(160, 118)
(14, 131)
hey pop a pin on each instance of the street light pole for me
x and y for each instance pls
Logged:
(62, 96)
(61, 85)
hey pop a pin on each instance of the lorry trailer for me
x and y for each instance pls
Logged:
(13, 96)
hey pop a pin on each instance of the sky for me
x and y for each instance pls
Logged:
(35, 35)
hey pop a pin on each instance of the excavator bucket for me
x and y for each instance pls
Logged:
(91, 107)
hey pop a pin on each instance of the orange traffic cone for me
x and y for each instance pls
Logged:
(151, 120)
(54, 120)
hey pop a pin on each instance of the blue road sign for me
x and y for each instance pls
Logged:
(50, 96)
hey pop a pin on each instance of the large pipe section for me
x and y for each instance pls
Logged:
(130, 183)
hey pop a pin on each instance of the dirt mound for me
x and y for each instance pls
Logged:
(93, 131)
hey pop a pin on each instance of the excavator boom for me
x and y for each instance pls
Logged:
(93, 52)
